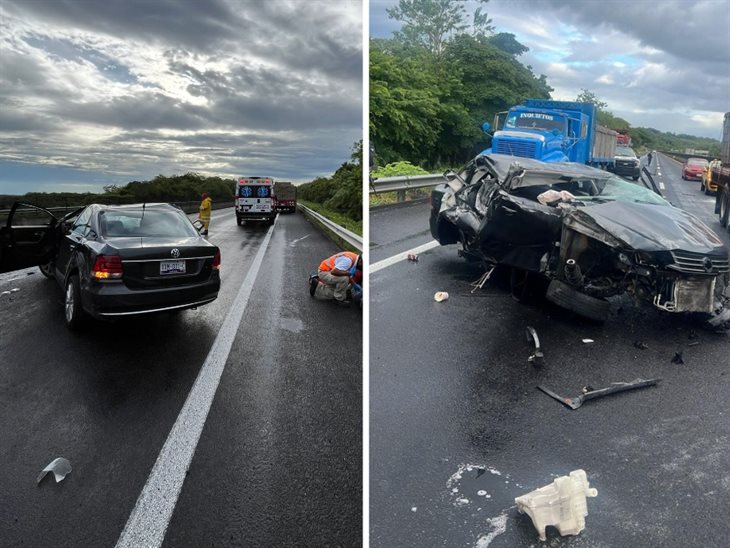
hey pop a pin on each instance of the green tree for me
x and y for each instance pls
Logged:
(587, 96)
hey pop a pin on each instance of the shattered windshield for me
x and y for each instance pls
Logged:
(588, 190)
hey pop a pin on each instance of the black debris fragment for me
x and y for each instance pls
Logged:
(480, 471)
(677, 358)
(692, 335)
(641, 345)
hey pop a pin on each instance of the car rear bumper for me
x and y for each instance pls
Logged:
(266, 216)
(104, 300)
(695, 176)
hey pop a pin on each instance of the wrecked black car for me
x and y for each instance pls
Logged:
(580, 235)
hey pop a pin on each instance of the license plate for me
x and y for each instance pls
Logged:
(172, 267)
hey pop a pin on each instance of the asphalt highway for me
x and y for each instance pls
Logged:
(458, 428)
(279, 458)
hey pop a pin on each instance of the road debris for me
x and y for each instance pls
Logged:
(693, 343)
(678, 357)
(590, 393)
(60, 468)
(537, 358)
(481, 281)
(587, 341)
(440, 296)
(561, 504)
(641, 345)
(412, 257)
(692, 334)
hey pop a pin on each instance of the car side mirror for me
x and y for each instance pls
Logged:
(486, 127)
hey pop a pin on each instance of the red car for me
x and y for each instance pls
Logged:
(693, 168)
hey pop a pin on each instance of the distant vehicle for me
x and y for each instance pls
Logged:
(579, 235)
(114, 261)
(553, 131)
(693, 168)
(255, 200)
(285, 194)
(709, 183)
(627, 164)
(623, 139)
(720, 175)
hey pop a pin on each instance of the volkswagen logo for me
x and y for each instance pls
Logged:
(176, 253)
(707, 264)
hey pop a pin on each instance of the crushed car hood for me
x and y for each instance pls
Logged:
(648, 227)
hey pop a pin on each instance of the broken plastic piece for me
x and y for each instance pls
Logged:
(413, 257)
(440, 296)
(537, 358)
(576, 402)
(60, 468)
(561, 504)
(587, 341)
(640, 345)
(677, 358)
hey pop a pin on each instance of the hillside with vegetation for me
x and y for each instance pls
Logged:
(446, 72)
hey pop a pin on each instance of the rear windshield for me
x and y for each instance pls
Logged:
(150, 222)
(254, 191)
(697, 162)
(625, 151)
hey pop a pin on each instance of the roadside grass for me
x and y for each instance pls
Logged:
(339, 218)
(387, 198)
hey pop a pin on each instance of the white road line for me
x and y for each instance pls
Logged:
(661, 186)
(148, 521)
(402, 256)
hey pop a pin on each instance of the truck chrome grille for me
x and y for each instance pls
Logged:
(513, 147)
(697, 263)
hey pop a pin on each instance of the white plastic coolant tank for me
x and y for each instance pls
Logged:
(561, 504)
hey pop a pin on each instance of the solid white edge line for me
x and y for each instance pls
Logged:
(402, 256)
(366, 277)
(147, 524)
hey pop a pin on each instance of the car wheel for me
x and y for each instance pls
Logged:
(724, 209)
(525, 286)
(239, 221)
(570, 298)
(73, 313)
(47, 269)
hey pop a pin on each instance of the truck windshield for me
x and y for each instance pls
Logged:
(535, 120)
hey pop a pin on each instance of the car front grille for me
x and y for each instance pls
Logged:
(698, 263)
(525, 149)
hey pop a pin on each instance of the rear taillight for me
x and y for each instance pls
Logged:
(217, 260)
(107, 267)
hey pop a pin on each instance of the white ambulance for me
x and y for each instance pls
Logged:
(255, 199)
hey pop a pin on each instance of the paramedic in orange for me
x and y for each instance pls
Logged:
(206, 205)
(338, 271)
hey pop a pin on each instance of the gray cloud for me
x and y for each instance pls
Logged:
(137, 88)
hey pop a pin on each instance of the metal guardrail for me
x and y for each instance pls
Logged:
(347, 235)
(405, 182)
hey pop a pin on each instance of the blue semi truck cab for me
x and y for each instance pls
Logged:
(553, 131)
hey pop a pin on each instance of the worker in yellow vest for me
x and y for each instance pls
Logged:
(338, 272)
(206, 206)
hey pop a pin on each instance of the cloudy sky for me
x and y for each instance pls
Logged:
(94, 92)
(662, 64)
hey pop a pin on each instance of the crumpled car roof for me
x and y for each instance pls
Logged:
(503, 162)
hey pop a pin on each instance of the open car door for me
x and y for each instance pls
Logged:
(29, 237)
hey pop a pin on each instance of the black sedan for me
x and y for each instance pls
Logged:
(581, 235)
(114, 261)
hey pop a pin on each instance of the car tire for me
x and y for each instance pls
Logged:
(584, 305)
(725, 209)
(526, 287)
(73, 313)
(239, 221)
(47, 269)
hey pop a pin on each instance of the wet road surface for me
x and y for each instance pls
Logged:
(280, 455)
(458, 428)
